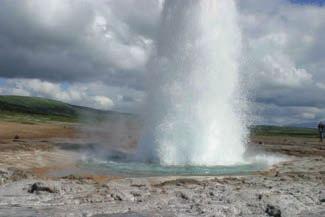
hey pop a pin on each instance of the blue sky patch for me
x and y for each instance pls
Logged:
(65, 85)
(314, 2)
(2, 81)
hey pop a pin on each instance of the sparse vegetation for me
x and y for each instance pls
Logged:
(284, 131)
(31, 110)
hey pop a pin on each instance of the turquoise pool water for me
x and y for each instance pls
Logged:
(136, 169)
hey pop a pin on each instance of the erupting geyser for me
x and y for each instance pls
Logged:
(194, 112)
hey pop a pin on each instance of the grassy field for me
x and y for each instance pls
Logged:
(32, 110)
(284, 131)
(35, 110)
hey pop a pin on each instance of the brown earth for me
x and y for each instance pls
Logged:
(295, 188)
(42, 148)
(292, 146)
(9, 130)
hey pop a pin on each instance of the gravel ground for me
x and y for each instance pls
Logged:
(292, 189)
(295, 188)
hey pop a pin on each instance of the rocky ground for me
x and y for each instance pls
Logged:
(295, 188)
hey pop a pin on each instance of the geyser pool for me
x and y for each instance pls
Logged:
(123, 164)
(194, 113)
(140, 169)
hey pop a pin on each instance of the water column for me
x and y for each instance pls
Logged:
(194, 114)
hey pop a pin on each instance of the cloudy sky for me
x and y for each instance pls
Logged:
(94, 53)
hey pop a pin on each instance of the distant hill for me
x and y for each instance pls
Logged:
(13, 107)
(34, 109)
(312, 124)
(264, 130)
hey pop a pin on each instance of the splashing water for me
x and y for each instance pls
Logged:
(195, 108)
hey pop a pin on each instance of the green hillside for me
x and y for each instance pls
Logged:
(34, 109)
(284, 131)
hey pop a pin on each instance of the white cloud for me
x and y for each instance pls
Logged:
(101, 47)
(77, 40)
(320, 85)
(279, 70)
(74, 94)
(284, 56)
(103, 102)
(285, 115)
(308, 115)
(93, 94)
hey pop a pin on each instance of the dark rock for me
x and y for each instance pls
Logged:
(179, 182)
(322, 196)
(259, 197)
(136, 194)
(116, 197)
(138, 185)
(273, 211)
(40, 187)
(182, 195)
(16, 137)
(4, 177)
